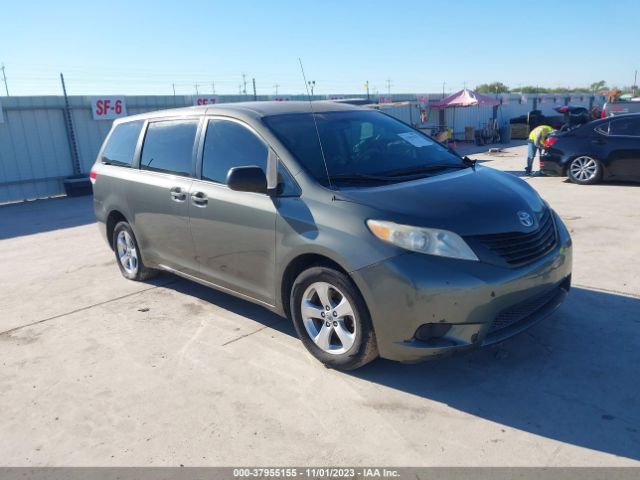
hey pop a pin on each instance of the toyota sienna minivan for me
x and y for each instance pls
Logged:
(373, 238)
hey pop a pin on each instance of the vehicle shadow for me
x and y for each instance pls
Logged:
(572, 378)
(229, 302)
(520, 173)
(45, 215)
(618, 183)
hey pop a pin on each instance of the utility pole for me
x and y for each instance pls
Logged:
(366, 85)
(388, 86)
(197, 92)
(443, 85)
(312, 84)
(213, 87)
(635, 82)
(255, 96)
(6, 87)
(174, 89)
(244, 83)
(276, 88)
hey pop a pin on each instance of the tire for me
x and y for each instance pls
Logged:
(128, 255)
(584, 170)
(335, 326)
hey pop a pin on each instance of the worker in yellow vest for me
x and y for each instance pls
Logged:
(536, 141)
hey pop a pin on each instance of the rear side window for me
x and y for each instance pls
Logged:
(121, 145)
(625, 126)
(603, 128)
(228, 144)
(168, 147)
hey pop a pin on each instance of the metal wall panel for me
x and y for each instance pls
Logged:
(35, 155)
(34, 152)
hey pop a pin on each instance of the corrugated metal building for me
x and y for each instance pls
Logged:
(36, 153)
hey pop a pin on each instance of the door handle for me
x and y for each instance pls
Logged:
(177, 194)
(597, 142)
(199, 199)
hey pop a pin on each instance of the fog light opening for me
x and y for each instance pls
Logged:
(432, 332)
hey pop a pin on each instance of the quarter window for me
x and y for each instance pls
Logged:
(603, 128)
(228, 144)
(168, 147)
(625, 126)
(121, 145)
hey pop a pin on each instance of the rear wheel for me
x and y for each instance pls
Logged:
(585, 170)
(332, 319)
(128, 255)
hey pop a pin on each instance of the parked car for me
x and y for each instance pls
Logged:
(376, 240)
(600, 150)
(573, 116)
(536, 118)
(620, 108)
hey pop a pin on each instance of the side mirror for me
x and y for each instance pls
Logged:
(247, 179)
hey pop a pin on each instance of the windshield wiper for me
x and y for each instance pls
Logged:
(362, 178)
(416, 170)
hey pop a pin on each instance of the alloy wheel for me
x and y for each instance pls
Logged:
(127, 252)
(584, 169)
(329, 318)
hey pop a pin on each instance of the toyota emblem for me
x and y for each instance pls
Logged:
(525, 218)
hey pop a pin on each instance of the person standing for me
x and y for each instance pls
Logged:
(536, 141)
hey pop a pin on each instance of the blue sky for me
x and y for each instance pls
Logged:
(137, 47)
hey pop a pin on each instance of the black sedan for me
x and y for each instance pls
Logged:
(600, 150)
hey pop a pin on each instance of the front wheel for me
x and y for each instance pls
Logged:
(332, 319)
(585, 170)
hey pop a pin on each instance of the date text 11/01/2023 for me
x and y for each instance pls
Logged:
(321, 472)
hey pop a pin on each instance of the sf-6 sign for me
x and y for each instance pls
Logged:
(108, 108)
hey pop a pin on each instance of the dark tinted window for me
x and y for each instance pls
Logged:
(121, 146)
(625, 126)
(168, 146)
(228, 144)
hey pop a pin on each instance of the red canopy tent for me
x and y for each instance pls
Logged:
(465, 98)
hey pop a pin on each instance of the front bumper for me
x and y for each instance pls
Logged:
(551, 163)
(475, 303)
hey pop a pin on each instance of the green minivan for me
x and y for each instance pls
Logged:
(373, 238)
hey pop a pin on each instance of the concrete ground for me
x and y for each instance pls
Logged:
(97, 370)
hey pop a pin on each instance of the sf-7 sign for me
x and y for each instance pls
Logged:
(108, 108)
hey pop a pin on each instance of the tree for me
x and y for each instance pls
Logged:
(595, 86)
(532, 89)
(495, 87)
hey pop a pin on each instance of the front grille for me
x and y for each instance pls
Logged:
(518, 248)
(523, 310)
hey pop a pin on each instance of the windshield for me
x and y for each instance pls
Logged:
(361, 146)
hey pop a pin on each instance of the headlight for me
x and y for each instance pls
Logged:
(431, 241)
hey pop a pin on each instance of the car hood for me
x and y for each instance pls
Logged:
(473, 201)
